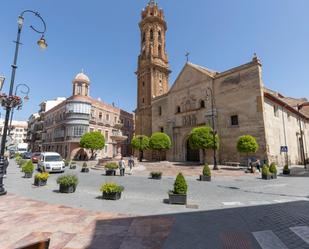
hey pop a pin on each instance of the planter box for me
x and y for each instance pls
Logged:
(73, 166)
(286, 172)
(39, 183)
(66, 189)
(177, 199)
(273, 176)
(111, 196)
(266, 177)
(85, 170)
(205, 178)
(28, 175)
(110, 172)
(156, 177)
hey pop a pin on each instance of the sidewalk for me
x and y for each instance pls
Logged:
(24, 221)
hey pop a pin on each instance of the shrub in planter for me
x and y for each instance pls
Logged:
(17, 159)
(273, 170)
(85, 168)
(286, 170)
(21, 162)
(73, 165)
(28, 169)
(110, 168)
(67, 183)
(156, 175)
(67, 162)
(111, 191)
(266, 175)
(40, 179)
(179, 194)
(206, 176)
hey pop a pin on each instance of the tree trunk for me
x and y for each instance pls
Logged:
(141, 155)
(204, 156)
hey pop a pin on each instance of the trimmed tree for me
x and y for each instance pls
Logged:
(160, 142)
(93, 141)
(140, 143)
(201, 138)
(247, 144)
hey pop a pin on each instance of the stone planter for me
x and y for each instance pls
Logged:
(66, 189)
(110, 172)
(266, 177)
(205, 178)
(72, 166)
(180, 199)
(28, 175)
(85, 170)
(286, 172)
(273, 176)
(39, 183)
(111, 196)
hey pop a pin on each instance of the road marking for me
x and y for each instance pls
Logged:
(232, 203)
(302, 232)
(268, 240)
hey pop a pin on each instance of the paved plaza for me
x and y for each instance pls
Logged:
(234, 210)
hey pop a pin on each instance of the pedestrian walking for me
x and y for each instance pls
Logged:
(6, 164)
(131, 164)
(122, 166)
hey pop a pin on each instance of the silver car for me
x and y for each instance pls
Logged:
(51, 162)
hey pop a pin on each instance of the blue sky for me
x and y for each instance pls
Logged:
(102, 37)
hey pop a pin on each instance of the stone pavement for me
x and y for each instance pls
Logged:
(24, 221)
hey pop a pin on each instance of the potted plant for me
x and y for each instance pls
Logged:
(72, 165)
(179, 194)
(111, 191)
(266, 175)
(28, 169)
(206, 176)
(286, 170)
(40, 179)
(156, 175)
(85, 168)
(67, 183)
(110, 169)
(273, 170)
(21, 162)
(67, 162)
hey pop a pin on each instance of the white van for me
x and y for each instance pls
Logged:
(51, 162)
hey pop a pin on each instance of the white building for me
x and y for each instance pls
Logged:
(18, 133)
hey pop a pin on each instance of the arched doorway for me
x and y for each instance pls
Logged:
(192, 155)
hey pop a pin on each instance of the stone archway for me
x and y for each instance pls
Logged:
(192, 155)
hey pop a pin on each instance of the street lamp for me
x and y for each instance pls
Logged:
(209, 94)
(26, 98)
(11, 101)
(302, 146)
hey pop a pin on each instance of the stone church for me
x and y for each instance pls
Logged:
(241, 103)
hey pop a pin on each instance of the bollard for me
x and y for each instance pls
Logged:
(2, 190)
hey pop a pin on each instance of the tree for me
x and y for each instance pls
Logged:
(140, 143)
(247, 144)
(202, 138)
(93, 141)
(160, 142)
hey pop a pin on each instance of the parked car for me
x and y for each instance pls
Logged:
(35, 157)
(51, 162)
(27, 155)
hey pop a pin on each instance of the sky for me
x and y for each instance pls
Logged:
(102, 38)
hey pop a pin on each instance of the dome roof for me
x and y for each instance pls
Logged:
(82, 77)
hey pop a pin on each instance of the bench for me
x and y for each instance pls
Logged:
(237, 164)
(44, 244)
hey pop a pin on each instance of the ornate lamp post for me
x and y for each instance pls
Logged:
(11, 101)
(26, 98)
(209, 94)
(299, 107)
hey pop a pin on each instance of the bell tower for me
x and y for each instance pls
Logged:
(153, 67)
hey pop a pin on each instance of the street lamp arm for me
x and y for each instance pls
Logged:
(23, 92)
(39, 16)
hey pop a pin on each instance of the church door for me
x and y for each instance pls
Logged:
(192, 155)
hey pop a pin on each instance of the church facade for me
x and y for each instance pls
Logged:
(242, 105)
